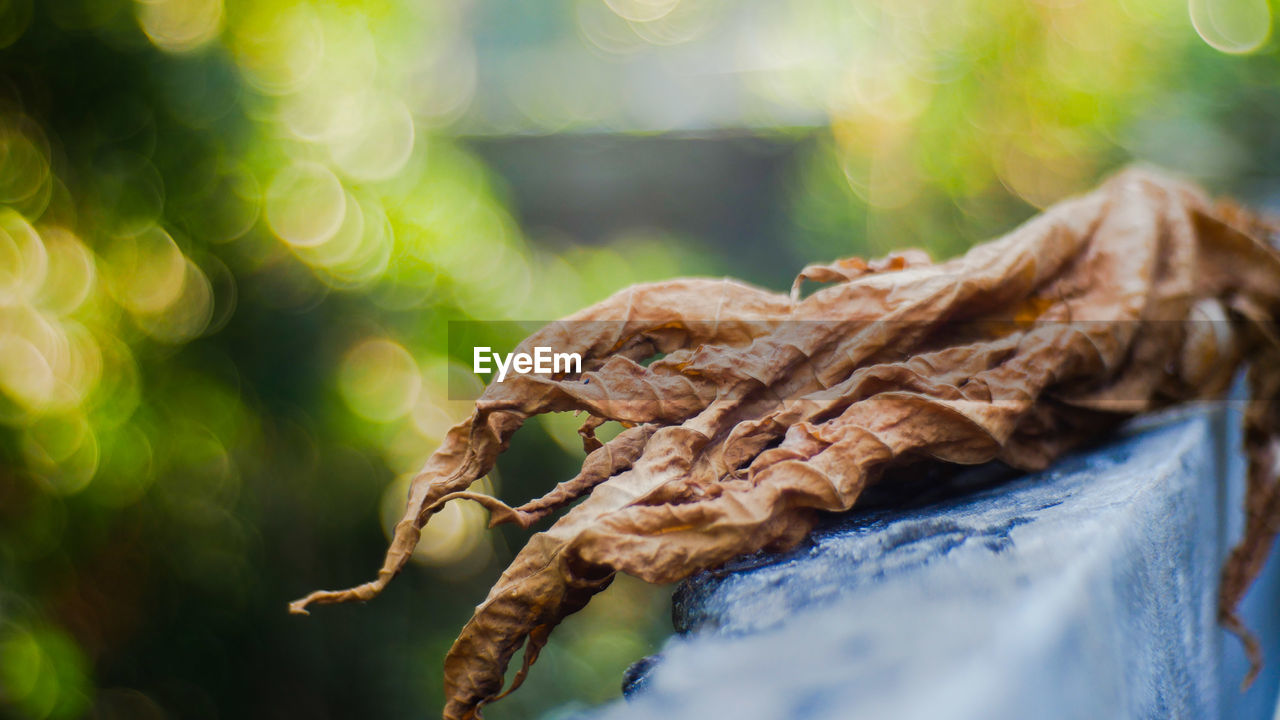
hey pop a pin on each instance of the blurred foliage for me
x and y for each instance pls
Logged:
(232, 233)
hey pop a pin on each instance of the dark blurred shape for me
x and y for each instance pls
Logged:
(721, 193)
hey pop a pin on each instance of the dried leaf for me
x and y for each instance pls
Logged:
(768, 408)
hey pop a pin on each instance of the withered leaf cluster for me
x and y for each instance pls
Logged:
(766, 409)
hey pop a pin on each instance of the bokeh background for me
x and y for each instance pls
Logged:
(232, 233)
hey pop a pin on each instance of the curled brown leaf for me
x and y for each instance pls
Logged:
(767, 409)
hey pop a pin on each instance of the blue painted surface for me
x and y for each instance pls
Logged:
(1086, 591)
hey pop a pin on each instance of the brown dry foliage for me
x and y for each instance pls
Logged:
(768, 409)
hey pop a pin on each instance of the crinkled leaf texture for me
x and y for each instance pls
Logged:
(769, 408)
